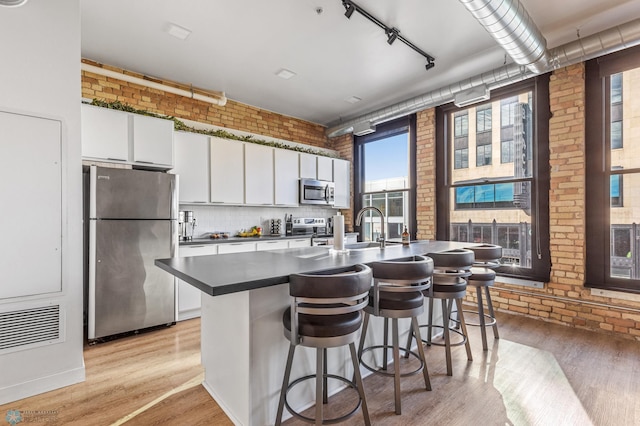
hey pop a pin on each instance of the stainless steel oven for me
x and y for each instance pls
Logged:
(316, 192)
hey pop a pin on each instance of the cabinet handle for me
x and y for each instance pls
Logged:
(145, 162)
(190, 247)
(116, 159)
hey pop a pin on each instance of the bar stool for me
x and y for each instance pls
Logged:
(397, 292)
(326, 312)
(487, 258)
(449, 284)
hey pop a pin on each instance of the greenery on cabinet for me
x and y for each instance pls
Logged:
(179, 125)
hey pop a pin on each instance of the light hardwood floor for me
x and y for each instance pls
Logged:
(536, 374)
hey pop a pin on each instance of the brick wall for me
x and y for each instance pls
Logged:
(344, 145)
(426, 174)
(233, 115)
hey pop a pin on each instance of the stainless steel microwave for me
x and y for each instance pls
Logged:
(316, 192)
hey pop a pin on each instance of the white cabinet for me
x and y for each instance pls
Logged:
(227, 171)
(117, 136)
(325, 168)
(342, 180)
(188, 295)
(236, 247)
(104, 133)
(308, 166)
(192, 166)
(272, 245)
(286, 177)
(152, 140)
(300, 242)
(258, 174)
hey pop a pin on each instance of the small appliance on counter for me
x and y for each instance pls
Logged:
(288, 223)
(186, 225)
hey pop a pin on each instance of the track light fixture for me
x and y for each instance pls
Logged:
(392, 33)
(349, 8)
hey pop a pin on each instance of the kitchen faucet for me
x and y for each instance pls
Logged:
(359, 219)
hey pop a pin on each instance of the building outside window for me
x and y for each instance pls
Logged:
(383, 179)
(613, 172)
(503, 199)
(461, 140)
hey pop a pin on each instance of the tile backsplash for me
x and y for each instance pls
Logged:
(232, 219)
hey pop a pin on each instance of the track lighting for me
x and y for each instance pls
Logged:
(349, 8)
(392, 33)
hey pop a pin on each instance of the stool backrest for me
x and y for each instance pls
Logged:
(454, 264)
(487, 255)
(405, 275)
(332, 292)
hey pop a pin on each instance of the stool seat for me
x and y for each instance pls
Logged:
(449, 288)
(482, 274)
(324, 326)
(398, 301)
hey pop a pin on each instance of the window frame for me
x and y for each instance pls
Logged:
(598, 170)
(392, 128)
(540, 246)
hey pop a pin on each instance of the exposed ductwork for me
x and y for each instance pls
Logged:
(509, 23)
(607, 41)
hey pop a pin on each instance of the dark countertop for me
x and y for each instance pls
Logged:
(230, 273)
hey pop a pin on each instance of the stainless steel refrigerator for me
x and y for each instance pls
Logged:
(132, 220)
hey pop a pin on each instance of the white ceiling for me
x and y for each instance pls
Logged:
(237, 46)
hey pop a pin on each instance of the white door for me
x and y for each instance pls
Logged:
(192, 166)
(258, 174)
(104, 133)
(152, 140)
(227, 171)
(286, 177)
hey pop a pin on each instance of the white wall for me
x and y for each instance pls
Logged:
(40, 75)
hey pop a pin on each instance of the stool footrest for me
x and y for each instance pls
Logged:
(324, 421)
(453, 330)
(404, 354)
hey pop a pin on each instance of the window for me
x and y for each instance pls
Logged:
(483, 119)
(461, 132)
(384, 161)
(613, 170)
(504, 203)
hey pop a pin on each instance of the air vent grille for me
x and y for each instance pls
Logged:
(28, 328)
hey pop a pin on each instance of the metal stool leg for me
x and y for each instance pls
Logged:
(483, 329)
(492, 313)
(285, 384)
(464, 329)
(325, 395)
(385, 358)
(319, 383)
(396, 363)
(430, 323)
(359, 384)
(425, 372)
(447, 337)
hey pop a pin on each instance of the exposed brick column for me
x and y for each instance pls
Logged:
(426, 174)
(344, 145)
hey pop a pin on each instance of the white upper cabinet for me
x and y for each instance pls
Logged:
(117, 136)
(308, 166)
(286, 177)
(152, 140)
(325, 168)
(192, 166)
(104, 133)
(342, 180)
(227, 171)
(258, 174)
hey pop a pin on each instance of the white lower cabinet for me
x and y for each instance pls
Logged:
(188, 295)
(272, 245)
(236, 247)
(300, 242)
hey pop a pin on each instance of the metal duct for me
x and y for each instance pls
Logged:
(607, 41)
(508, 22)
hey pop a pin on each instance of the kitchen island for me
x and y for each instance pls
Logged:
(243, 346)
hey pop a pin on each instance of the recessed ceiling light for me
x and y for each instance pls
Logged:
(285, 73)
(353, 99)
(178, 32)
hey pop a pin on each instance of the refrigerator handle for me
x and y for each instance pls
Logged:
(174, 238)
(174, 197)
